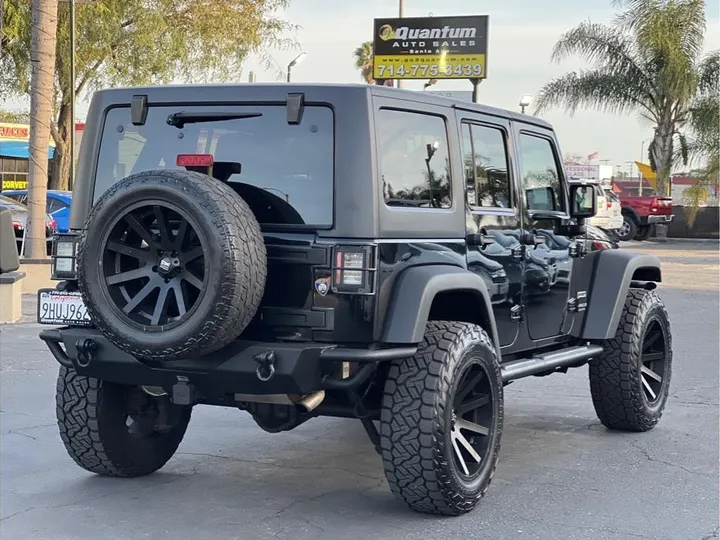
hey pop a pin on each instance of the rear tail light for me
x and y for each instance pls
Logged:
(599, 246)
(194, 160)
(64, 256)
(354, 269)
(51, 224)
(17, 225)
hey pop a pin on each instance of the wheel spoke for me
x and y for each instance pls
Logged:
(140, 296)
(135, 253)
(123, 277)
(191, 255)
(458, 453)
(469, 386)
(647, 387)
(471, 426)
(180, 236)
(192, 280)
(140, 229)
(650, 373)
(177, 289)
(475, 403)
(652, 357)
(166, 239)
(650, 342)
(462, 440)
(160, 305)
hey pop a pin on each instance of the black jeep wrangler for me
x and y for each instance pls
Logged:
(336, 250)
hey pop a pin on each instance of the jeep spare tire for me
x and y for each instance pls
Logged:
(171, 264)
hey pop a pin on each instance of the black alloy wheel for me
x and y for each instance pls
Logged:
(653, 357)
(472, 421)
(154, 265)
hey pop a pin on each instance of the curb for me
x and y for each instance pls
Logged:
(670, 240)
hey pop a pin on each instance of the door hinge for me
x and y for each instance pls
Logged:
(518, 253)
(576, 250)
(578, 303)
(516, 313)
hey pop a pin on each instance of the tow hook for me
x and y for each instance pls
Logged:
(266, 365)
(85, 351)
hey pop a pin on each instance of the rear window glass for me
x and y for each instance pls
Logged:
(286, 170)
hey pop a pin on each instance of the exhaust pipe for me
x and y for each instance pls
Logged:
(309, 402)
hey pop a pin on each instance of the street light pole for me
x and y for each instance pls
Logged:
(640, 176)
(295, 61)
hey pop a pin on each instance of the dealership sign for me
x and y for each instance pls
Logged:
(430, 48)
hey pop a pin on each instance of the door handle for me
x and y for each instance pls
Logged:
(531, 238)
(479, 239)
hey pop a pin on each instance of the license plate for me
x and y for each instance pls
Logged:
(62, 307)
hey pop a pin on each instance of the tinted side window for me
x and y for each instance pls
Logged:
(53, 205)
(414, 159)
(541, 179)
(486, 168)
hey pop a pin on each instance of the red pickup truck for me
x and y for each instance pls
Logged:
(641, 210)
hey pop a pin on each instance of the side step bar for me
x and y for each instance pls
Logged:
(517, 369)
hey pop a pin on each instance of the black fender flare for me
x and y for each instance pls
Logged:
(413, 295)
(615, 271)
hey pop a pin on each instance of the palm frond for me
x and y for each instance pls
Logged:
(683, 149)
(709, 70)
(604, 91)
(604, 46)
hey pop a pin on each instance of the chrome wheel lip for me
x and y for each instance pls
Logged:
(167, 288)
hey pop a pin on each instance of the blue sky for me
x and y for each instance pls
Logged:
(522, 34)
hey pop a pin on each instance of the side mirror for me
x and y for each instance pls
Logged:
(583, 201)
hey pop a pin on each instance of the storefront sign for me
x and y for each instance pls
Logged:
(431, 48)
(15, 132)
(13, 184)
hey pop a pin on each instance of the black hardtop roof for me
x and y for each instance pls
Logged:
(278, 91)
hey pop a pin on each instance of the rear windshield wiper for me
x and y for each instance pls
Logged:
(179, 119)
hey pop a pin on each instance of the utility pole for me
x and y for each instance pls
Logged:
(402, 14)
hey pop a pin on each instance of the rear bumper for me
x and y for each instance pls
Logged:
(298, 368)
(659, 219)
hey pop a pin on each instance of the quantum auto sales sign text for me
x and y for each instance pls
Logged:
(431, 48)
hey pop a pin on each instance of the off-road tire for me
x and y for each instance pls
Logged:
(629, 229)
(236, 264)
(416, 420)
(643, 233)
(91, 418)
(615, 376)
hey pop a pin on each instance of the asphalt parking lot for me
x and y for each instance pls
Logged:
(561, 474)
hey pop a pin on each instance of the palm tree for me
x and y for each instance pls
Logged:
(646, 62)
(364, 61)
(704, 143)
(42, 57)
